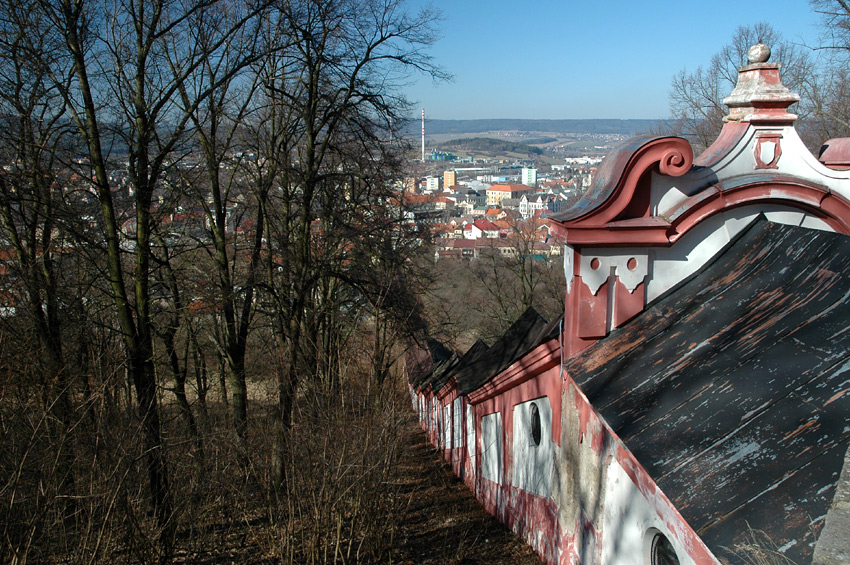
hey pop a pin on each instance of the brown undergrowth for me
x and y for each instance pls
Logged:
(362, 485)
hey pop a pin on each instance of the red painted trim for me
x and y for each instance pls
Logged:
(627, 304)
(450, 388)
(541, 358)
(674, 157)
(811, 198)
(668, 227)
(625, 233)
(730, 136)
(592, 311)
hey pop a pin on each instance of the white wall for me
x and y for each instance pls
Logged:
(531, 465)
(470, 434)
(447, 426)
(457, 422)
(630, 522)
(491, 447)
(671, 265)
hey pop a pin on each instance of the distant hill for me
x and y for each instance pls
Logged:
(490, 144)
(625, 127)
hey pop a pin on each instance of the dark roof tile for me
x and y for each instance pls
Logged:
(732, 390)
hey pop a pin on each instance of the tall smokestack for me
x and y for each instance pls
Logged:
(423, 135)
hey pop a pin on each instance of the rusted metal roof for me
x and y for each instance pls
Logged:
(835, 153)
(733, 391)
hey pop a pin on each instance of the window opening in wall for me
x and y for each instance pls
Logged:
(535, 425)
(662, 552)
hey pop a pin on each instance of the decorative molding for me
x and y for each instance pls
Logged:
(673, 156)
(630, 268)
(616, 189)
(569, 267)
(767, 150)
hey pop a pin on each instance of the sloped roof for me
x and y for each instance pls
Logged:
(606, 180)
(441, 374)
(509, 188)
(422, 360)
(484, 224)
(528, 331)
(733, 390)
(478, 349)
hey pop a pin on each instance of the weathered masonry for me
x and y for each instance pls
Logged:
(694, 401)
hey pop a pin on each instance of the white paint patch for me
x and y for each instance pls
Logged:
(616, 262)
(470, 434)
(788, 546)
(491, 447)
(457, 422)
(627, 518)
(569, 256)
(531, 463)
(740, 450)
(447, 426)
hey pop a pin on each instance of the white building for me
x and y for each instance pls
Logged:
(432, 184)
(529, 176)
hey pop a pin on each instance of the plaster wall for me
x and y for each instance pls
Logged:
(436, 420)
(447, 426)
(671, 265)
(630, 521)
(470, 458)
(533, 517)
(531, 468)
(491, 447)
(585, 499)
(457, 423)
(608, 506)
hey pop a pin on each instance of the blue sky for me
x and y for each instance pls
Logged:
(552, 59)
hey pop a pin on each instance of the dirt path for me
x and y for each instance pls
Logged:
(445, 523)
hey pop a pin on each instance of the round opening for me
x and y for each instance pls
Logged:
(535, 424)
(631, 264)
(662, 552)
(594, 263)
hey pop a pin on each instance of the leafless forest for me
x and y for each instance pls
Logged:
(205, 277)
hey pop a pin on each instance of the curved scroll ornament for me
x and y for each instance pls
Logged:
(619, 184)
(677, 160)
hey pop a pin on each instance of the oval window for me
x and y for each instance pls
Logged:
(662, 552)
(535, 424)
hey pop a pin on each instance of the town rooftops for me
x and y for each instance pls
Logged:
(510, 188)
(485, 225)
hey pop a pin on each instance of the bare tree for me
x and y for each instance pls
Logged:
(828, 88)
(33, 132)
(33, 214)
(127, 66)
(274, 125)
(333, 101)
(218, 102)
(835, 21)
(696, 97)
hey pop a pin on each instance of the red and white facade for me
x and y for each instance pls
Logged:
(529, 443)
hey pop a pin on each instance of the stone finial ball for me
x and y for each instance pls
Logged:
(758, 53)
